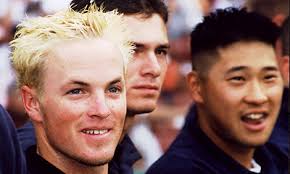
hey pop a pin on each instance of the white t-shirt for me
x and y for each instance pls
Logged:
(256, 168)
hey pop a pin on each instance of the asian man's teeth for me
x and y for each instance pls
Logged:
(253, 117)
(95, 132)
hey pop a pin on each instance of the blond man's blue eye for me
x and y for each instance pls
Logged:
(75, 91)
(114, 90)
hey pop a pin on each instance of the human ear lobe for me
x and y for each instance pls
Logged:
(285, 69)
(31, 103)
(194, 83)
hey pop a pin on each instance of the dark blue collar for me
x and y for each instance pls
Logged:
(213, 155)
(36, 164)
(126, 155)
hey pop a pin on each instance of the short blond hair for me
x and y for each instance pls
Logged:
(36, 36)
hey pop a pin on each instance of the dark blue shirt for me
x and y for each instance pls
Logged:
(26, 135)
(192, 152)
(38, 165)
(125, 155)
(12, 160)
(280, 134)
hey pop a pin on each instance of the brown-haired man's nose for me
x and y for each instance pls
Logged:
(151, 67)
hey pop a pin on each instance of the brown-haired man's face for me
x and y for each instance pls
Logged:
(147, 69)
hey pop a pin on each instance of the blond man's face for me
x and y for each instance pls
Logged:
(83, 105)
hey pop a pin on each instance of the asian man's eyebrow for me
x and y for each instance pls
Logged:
(236, 68)
(241, 68)
(270, 68)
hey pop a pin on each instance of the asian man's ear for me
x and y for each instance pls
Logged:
(194, 82)
(285, 69)
(31, 103)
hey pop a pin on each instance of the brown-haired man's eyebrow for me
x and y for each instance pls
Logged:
(164, 46)
(138, 45)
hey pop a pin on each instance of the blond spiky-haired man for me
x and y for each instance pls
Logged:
(70, 68)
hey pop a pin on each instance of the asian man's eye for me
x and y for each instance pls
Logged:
(270, 77)
(237, 80)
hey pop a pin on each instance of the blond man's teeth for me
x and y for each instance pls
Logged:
(95, 132)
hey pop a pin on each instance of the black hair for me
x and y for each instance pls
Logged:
(285, 36)
(225, 27)
(128, 7)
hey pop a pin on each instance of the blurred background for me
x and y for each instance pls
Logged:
(154, 132)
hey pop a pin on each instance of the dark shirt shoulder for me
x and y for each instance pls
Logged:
(12, 160)
(38, 165)
(193, 152)
(26, 135)
(125, 156)
(280, 134)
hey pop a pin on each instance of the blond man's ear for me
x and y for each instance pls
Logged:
(194, 83)
(31, 103)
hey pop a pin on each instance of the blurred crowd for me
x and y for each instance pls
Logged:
(154, 132)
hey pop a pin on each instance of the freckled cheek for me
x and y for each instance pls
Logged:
(118, 108)
(70, 110)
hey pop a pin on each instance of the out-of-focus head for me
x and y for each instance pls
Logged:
(285, 37)
(236, 83)
(71, 70)
(147, 22)
(206, 6)
(276, 10)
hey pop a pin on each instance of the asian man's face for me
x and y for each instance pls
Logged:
(240, 98)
